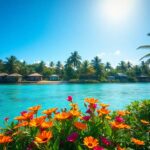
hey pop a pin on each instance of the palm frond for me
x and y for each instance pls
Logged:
(144, 47)
(145, 56)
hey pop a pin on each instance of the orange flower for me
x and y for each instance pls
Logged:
(35, 108)
(75, 113)
(80, 125)
(43, 137)
(104, 105)
(119, 125)
(37, 121)
(137, 142)
(49, 111)
(5, 139)
(103, 111)
(121, 112)
(25, 116)
(120, 148)
(23, 124)
(63, 116)
(145, 122)
(45, 124)
(91, 100)
(90, 142)
(20, 118)
(74, 106)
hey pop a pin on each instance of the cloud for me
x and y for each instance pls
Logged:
(117, 52)
(36, 61)
(101, 54)
(21, 60)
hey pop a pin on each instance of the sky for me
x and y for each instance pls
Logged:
(50, 30)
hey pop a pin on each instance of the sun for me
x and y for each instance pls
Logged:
(117, 11)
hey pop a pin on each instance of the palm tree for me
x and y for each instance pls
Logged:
(98, 67)
(108, 66)
(75, 59)
(12, 64)
(145, 47)
(58, 67)
(122, 66)
(85, 67)
(51, 64)
(1, 65)
(129, 65)
(41, 67)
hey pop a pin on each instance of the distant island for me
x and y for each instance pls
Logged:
(75, 70)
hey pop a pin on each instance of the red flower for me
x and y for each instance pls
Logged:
(86, 118)
(6, 119)
(98, 148)
(23, 112)
(89, 111)
(72, 137)
(119, 119)
(69, 98)
(105, 141)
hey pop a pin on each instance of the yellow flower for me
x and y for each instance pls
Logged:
(5, 139)
(103, 111)
(145, 122)
(108, 117)
(91, 100)
(90, 142)
(43, 137)
(104, 105)
(75, 113)
(121, 112)
(62, 116)
(117, 125)
(80, 125)
(137, 142)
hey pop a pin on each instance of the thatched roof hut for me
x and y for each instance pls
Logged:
(54, 77)
(35, 77)
(3, 77)
(14, 77)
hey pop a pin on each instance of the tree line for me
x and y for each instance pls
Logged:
(75, 68)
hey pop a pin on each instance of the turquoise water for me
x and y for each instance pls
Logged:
(16, 98)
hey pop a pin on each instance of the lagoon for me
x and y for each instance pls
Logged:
(16, 98)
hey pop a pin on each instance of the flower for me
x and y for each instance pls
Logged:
(23, 124)
(23, 112)
(43, 137)
(72, 137)
(50, 111)
(119, 119)
(120, 148)
(145, 122)
(37, 121)
(35, 108)
(80, 125)
(45, 124)
(6, 119)
(105, 141)
(5, 139)
(63, 116)
(104, 105)
(118, 125)
(75, 113)
(74, 106)
(103, 111)
(137, 142)
(91, 100)
(98, 148)
(69, 98)
(108, 117)
(90, 142)
(121, 112)
(89, 111)
(86, 118)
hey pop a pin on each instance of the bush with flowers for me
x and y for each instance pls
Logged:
(96, 129)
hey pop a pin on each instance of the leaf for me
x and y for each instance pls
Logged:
(79, 147)
(56, 144)
(108, 129)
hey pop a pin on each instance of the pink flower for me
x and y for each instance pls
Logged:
(69, 98)
(89, 111)
(6, 119)
(105, 141)
(72, 137)
(86, 118)
(98, 148)
(93, 106)
(119, 119)
(23, 112)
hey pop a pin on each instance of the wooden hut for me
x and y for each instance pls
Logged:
(122, 77)
(35, 77)
(3, 77)
(54, 77)
(143, 78)
(14, 77)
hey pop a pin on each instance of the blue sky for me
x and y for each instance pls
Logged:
(50, 30)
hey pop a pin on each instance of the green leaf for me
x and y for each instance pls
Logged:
(56, 144)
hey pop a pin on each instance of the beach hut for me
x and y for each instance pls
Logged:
(143, 78)
(54, 77)
(122, 77)
(14, 77)
(35, 77)
(3, 77)
(111, 78)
